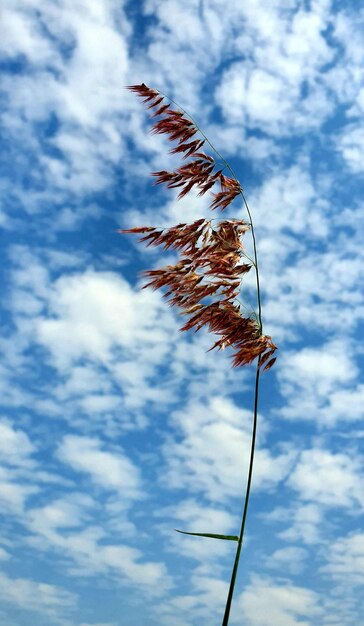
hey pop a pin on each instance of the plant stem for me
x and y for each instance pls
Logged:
(256, 392)
(246, 501)
(256, 395)
(257, 374)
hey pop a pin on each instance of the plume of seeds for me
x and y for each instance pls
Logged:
(206, 281)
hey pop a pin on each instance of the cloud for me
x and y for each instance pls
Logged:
(284, 604)
(273, 99)
(89, 552)
(117, 339)
(283, 201)
(15, 446)
(110, 470)
(351, 147)
(65, 112)
(23, 36)
(344, 78)
(98, 310)
(18, 470)
(307, 524)
(291, 558)
(329, 479)
(88, 52)
(323, 368)
(13, 494)
(63, 513)
(50, 601)
(215, 443)
(345, 560)
(200, 606)
(320, 383)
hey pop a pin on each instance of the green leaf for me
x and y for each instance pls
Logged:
(210, 535)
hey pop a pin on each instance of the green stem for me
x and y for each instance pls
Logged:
(246, 502)
(256, 394)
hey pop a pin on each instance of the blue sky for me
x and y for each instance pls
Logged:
(116, 428)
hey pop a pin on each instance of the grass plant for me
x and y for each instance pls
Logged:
(206, 282)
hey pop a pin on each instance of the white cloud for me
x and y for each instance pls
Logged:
(63, 513)
(299, 295)
(18, 469)
(346, 559)
(79, 60)
(347, 403)
(345, 77)
(199, 517)
(307, 524)
(265, 91)
(322, 368)
(118, 338)
(23, 36)
(284, 201)
(284, 604)
(126, 560)
(109, 469)
(28, 595)
(321, 383)
(214, 451)
(329, 479)
(101, 312)
(291, 559)
(96, 63)
(15, 446)
(89, 551)
(351, 147)
(82, 379)
(206, 600)
(255, 96)
(14, 492)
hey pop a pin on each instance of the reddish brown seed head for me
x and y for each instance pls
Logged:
(205, 282)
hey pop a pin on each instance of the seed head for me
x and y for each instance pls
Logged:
(206, 281)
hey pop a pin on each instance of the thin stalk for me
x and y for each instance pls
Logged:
(256, 392)
(257, 374)
(246, 501)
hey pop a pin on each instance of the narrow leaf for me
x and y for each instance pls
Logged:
(210, 535)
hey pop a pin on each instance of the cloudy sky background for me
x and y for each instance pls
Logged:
(116, 428)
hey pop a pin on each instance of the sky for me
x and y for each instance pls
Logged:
(116, 427)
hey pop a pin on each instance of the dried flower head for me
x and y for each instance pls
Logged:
(206, 281)
(199, 170)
